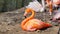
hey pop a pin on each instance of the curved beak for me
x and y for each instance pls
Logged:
(53, 19)
(25, 14)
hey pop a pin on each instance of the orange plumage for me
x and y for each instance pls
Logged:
(30, 24)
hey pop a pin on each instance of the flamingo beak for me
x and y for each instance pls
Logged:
(53, 19)
(25, 14)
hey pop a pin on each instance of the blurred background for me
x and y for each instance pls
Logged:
(9, 5)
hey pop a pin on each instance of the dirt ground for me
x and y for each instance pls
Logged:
(10, 23)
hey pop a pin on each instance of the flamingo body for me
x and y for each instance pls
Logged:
(30, 24)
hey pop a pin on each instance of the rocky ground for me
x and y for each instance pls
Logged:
(10, 23)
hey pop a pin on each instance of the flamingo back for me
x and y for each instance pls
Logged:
(35, 24)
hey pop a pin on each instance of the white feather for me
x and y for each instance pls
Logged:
(35, 5)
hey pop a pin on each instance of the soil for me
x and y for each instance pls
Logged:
(10, 23)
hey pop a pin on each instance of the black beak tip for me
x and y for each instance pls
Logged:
(25, 16)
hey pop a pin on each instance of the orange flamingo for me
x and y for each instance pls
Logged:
(30, 24)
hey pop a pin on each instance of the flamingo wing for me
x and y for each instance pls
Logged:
(32, 24)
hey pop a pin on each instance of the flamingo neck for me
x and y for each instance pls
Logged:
(49, 3)
(29, 18)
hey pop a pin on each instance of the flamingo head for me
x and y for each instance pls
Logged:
(28, 10)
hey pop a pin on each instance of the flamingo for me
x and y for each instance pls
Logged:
(56, 17)
(31, 24)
